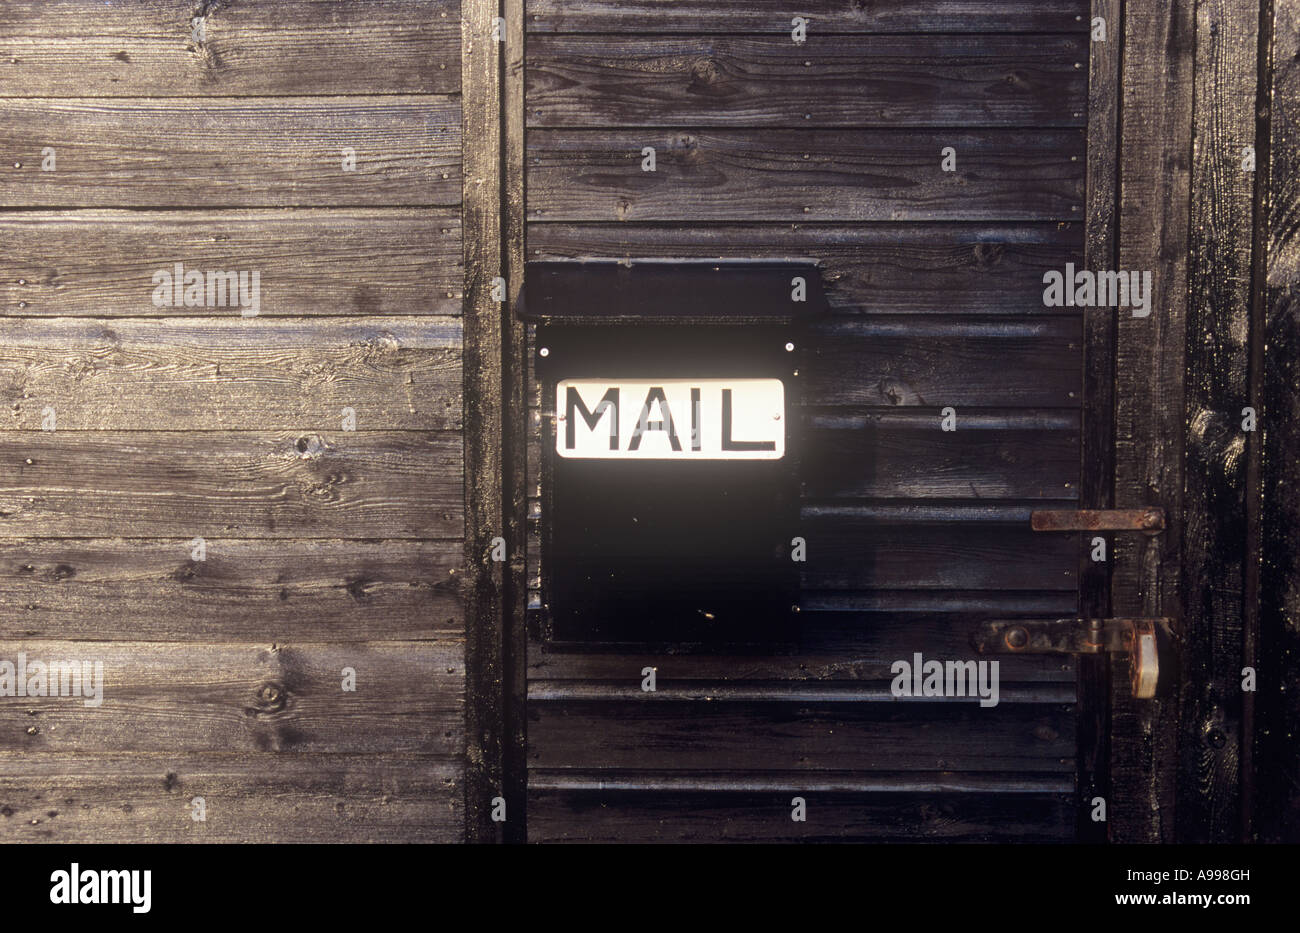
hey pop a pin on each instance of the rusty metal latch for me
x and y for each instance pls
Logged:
(1145, 641)
(1149, 521)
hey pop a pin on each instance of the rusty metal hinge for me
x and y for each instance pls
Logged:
(1149, 521)
(1145, 641)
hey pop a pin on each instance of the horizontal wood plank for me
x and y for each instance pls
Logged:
(803, 175)
(899, 268)
(228, 484)
(833, 647)
(227, 372)
(231, 152)
(247, 798)
(776, 737)
(831, 17)
(711, 80)
(310, 262)
(139, 589)
(244, 699)
(846, 557)
(163, 48)
(880, 453)
(611, 817)
(977, 367)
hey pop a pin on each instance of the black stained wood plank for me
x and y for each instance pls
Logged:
(310, 262)
(59, 48)
(936, 370)
(992, 603)
(1097, 435)
(883, 453)
(1277, 810)
(230, 373)
(231, 152)
(675, 817)
(855, 693)
(724, 80)
(312, 798)
(802, 175)
(830, 17)
(155, 590)
(231, 484)
(847, 557)
(1217, 389)
(802, 737)
(834, 647)
(245, 700)
(1156, 144)
(484, 516)
(912, 268)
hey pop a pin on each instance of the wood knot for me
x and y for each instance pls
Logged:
(271, 697)
(704, 72)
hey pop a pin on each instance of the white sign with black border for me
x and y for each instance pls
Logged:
(670, 419)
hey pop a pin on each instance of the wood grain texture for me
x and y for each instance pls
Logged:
(310, 262)
(245, 699)
(832, 17)
(485, 509)
(906, 363)
(59, 48)
(887, 268)
(1097, 427)
(849, 648)
(301, 798)
(231, 152)
(1215, 547)
(227, 372)
(153, 590)
(883, 453)
(1156, 141)
(764, 817)
(1277, 810)
(515, 364)
(589, 81)
(802, 175)
(773, 737)
(231, 484)
(847, 557)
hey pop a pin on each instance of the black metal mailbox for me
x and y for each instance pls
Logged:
(670, 450)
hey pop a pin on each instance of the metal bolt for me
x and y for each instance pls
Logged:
(1016, 638)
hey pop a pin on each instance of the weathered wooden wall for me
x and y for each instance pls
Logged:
(326, 548)
(830, 150)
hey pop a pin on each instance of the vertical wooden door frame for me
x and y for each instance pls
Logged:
(1097, 407)
(494, 370)
(1152, 228)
